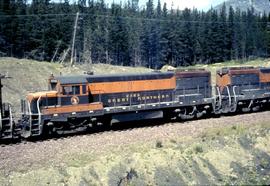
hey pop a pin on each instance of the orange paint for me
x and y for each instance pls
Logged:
(223, 80)
(264, 77)
(36, 95)
(132, 86)
(73, 108)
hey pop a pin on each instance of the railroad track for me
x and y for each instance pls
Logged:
(118, 129)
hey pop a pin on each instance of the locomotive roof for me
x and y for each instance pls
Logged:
(265, 70)
(238, 70)
(64, 80)
(190, 73)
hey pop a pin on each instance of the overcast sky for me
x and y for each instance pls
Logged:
(199, 4)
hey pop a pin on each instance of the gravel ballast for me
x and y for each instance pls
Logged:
(53, 152)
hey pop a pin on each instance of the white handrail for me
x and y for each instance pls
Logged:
(235, 99)
(234, 93)
(229, 94)
(250, 104)
(39, 114)
(11, 119)
(219, 95)
(0, 120)
(30, 115)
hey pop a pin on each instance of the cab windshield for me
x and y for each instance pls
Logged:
(43, 102)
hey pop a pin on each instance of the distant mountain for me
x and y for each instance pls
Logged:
(260, 6)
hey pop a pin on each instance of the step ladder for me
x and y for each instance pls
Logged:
(34, 125)
(218, 102)
(6, 124)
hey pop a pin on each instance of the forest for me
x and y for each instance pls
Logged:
(124, 34)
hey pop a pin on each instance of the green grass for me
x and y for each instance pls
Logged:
(233, 155)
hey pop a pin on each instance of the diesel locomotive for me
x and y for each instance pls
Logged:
(242, 89)
(84, 101)
(74, 103)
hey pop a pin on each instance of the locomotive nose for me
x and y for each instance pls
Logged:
(33, 96)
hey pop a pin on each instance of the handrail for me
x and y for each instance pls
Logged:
(193, 111)
(11, 119)
(229, 94)
(219, 95)
(250, 104)
(234, 93)
(30, 115)
(39, 114)
(0, 121)
(235, 99)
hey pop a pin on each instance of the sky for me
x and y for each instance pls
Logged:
(199, 4)
(181, 4)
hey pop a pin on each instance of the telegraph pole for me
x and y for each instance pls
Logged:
(74, 36)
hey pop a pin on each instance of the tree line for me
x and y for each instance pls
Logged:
(124, 34)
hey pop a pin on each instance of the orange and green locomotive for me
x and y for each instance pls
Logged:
(74, 102)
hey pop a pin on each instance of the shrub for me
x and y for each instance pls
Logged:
(159, 144)
(198, 149)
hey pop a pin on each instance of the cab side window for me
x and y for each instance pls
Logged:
(71, 90)
(75, 90)
(53, 86)
(84, 89)
(67, 90)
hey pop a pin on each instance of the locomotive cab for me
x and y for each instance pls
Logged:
(64, 105)
(70, 91)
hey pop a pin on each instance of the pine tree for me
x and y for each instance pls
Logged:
(20, 36)
(223, 42)
(126, 35)
(118, 38)
(232, 42)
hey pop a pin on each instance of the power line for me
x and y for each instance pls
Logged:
(129, 18)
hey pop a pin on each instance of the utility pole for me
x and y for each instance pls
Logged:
(73, 41)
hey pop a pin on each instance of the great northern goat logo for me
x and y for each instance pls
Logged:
(75, 100)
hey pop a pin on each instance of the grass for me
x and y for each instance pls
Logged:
(233, 156)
